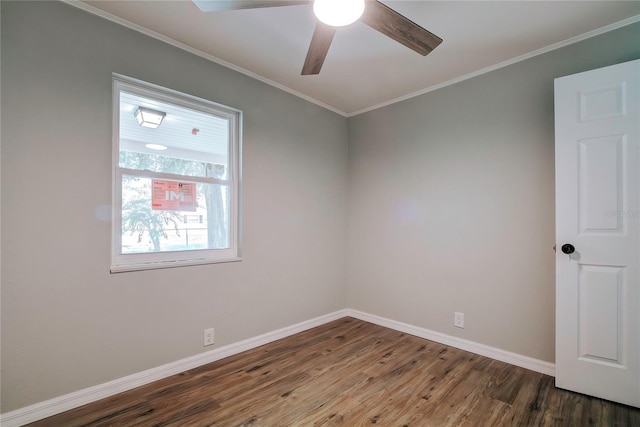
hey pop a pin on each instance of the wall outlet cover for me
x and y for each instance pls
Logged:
(458, 320)
(208, 337)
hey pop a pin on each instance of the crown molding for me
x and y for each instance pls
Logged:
(524, 57)
(148, 32)
(94, 10)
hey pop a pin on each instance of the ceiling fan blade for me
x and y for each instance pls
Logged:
(320, 42)
(401, 29)
(222, 5)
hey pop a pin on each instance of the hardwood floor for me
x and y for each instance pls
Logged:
(351, 373)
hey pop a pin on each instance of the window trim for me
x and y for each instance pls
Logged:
(168, 259)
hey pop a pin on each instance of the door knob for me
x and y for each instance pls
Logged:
(568, 248)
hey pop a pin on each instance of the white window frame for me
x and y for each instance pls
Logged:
(154, 260)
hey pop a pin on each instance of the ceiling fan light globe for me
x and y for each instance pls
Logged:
(338, 13)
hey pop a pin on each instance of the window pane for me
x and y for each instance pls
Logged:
(164, 215)
(187, 142)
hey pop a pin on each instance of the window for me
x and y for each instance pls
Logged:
(176, 162)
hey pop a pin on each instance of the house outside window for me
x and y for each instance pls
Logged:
(176, 176)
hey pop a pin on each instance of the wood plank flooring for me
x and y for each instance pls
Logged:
(351, 373)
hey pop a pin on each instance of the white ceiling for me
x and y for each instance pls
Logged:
(364, 69)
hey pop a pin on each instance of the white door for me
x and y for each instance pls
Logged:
(598, 212)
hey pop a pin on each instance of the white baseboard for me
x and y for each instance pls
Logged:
(78, 398)
(60, 404)
(516, 359)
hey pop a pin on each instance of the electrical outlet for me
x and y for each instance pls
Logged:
(458, 320)
(208, 337)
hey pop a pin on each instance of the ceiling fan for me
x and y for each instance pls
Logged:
(333, 14)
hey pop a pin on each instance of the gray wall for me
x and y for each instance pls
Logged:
(66, 322)
(451, 202)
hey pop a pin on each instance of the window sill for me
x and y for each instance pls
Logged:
(123, 268)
